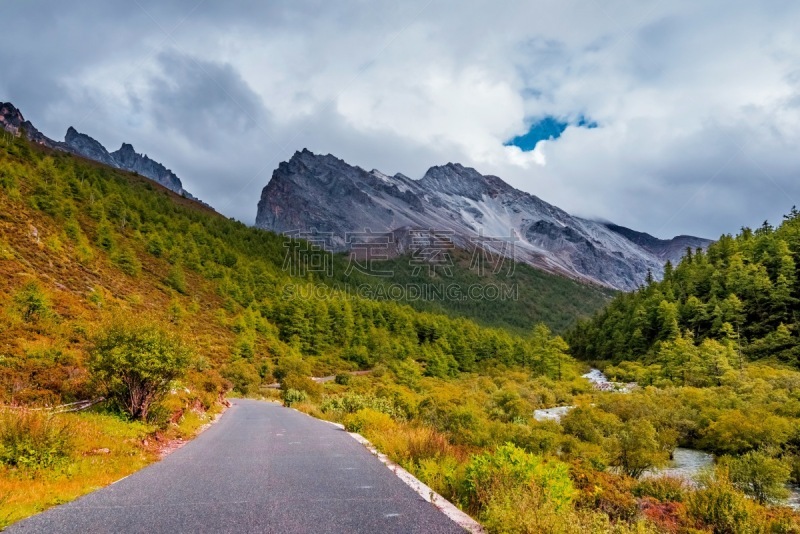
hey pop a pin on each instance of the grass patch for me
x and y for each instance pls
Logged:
(90, 450)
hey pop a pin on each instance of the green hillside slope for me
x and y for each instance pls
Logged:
(110, 284)
(515, 297)
(743, 292)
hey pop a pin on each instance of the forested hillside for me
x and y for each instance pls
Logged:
(736, 302)
(533, 296)
(82, 243)
(110, 284)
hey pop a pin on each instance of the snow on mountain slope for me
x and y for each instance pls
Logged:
(323, 193)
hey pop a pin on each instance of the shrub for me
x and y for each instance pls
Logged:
(293, 396)
(635, 448)
(343, 379)
(666, 516)
(367, 421)
(737, 431)
(6, 252)
(32, 302)
(302, 383)
(176, 279)
(292, 365)
(664, 489)
(243, 375)
(175, 312)
(105, 236)
(590, 424)
(136, 364)
(510, 472)
(155, 246)
(445, 475)
(721, 506)
(245, 346)
(758, 475)
(127, 261)
(33, 439)
(605, 492)
(353, 402)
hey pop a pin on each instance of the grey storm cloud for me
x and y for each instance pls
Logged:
(697, 104)
(203, 100)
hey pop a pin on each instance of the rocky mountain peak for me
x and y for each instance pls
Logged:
(127, 158)
(126, 150)
(11, 117)
(88, 147)
(456, 179)
(327, 194)
(11, 120)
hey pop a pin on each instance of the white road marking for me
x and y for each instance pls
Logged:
(444, 506)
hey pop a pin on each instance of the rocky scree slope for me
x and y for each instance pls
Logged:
(323, 193)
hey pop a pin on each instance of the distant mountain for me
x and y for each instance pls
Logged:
(666, 249)
(324, 193)
(125, 158)
(13, 122)
(88, 147)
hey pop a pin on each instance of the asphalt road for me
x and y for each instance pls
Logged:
(261, 468)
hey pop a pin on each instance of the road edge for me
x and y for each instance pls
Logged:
(449, 509)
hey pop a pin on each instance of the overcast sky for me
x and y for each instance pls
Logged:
(697, 104)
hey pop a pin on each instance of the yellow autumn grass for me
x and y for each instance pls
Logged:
(101, 449)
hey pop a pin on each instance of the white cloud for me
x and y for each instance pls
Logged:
(698, 104)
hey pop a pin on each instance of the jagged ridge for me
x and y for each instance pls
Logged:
(125, 158)
(326, 194)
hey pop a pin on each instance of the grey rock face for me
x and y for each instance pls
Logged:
(12, 121)
(87, 147)
(666, 249)
(125, 158)
(323, 193)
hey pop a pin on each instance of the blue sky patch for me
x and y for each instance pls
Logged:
(545, 129)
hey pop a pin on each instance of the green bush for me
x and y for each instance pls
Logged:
(444, 474)
(302, 383)
(759, 476)
(343, 379)
(127, 261)
(135, 365)
(33, 439)
(353, 402)
(243, 375)
(635, 448)
(176, 279)
(721, 506)
(32, 302)
(510, 471)
(367, 420)
(294, 396)
(665, 489)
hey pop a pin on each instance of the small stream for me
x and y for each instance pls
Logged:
(685, 464)
(597, 379)
(552, 414)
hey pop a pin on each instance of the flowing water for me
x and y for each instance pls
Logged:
(685, 464)
(551, 414)
(597, 379)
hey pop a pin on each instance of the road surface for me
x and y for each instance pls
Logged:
(261, 468)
